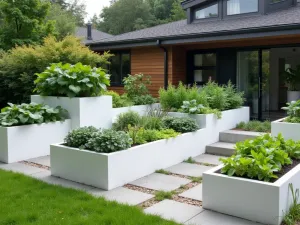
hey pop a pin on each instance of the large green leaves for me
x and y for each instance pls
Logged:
(32, 113)
(71, 80)
(261, 158)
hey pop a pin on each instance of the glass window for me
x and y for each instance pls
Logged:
(119, 67)
(241, 6)
(208, 12)
(205, 59)
(204, 68)
(203, 76)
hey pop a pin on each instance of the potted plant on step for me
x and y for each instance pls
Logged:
(292, 80)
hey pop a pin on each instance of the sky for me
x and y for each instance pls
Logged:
(94, 6)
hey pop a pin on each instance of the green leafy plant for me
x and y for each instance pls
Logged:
(256, 126)
(143, 100)
(33, 113)
(162, 195)
(260, 158)
(293, 111)
(71, 80)
(182, 125)
(192, 107)
(78, 138)
(196, 179)
(190, 160)
(235, 99)
(124, 119)
(293, 216)
(162, 171)
(109, 141)
(292, 78)
(118, 100)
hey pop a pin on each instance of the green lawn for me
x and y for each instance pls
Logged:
(25, 201)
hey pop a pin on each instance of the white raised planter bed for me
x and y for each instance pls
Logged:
(90, 111)
(30, 141)
(108, 171)
(140, 109)
(288, 130)
(257, 201)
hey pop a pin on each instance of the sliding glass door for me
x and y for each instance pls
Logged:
(253, 80)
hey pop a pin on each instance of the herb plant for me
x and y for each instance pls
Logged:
(119, 100)
(78, 138)
(33, 113)
(256, 126)
(124, 119)
(261, 158)
(71, 80)
(136, 85)
(181, 125)
(143, 100)
(109, 141)
(293, 111)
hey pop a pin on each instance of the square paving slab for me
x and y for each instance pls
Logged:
(207, 158)
(188, 169)
(44, 160)
(122, 195)
(194, 193)
(21, 168)
(171, 210)
(163, 182)
(208, 217)
(47, 178)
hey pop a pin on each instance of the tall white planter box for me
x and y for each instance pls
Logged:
(288, 130)
(30, 141)
(90, 111)
(257, 201)
(140, 109)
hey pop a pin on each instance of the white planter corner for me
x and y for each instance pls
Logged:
(288, 130)
(30, 141)
(257, 201)
(293, 95)
(90, 111)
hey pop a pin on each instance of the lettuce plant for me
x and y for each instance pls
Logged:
(32, 113)
(261, 158)
(71, 80)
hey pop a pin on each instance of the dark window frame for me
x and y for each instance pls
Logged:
(259, 9)
(203, 6)
(206, 6)
(120, 54)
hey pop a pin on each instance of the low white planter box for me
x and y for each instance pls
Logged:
(30, 141)
(140, 109)
(108, 171)
(91, 111)
(257, 201)
(288, 130)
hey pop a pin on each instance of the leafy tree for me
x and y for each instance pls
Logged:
(162, 9)
(24, 22)
(65, 22)
(177, 13)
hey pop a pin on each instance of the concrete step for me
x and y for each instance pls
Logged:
(234, 136)
(221, 148)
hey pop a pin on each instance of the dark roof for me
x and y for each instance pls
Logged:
(181, 29)
(96, 34)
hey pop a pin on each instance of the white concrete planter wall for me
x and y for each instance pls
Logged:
(108, 171)
(140, 109)
(91, 111)
(254, 200)
(288, 130)
(30, 141)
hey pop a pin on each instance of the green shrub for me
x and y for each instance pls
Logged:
(192, 107)
(109, 141)
(293, 111)
(256, 126)
(124, 119)
(216, 96)
(118, 100)
(261, 158)
(18, 66)
(136, 85)
(235, 99)
(78, 138)
(181, 125)
(15, 115)
(143, 100)
(71, 80)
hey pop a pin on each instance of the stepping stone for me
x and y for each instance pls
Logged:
(221, 148)
(122, 195)
(193, 193)
(188, 169)
(44, 160)
(208, 217)
(47, 178)
(207, 158)
(21, 168)
(171, 210)
(158, 182)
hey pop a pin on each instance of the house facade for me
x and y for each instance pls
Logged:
(250, 42)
